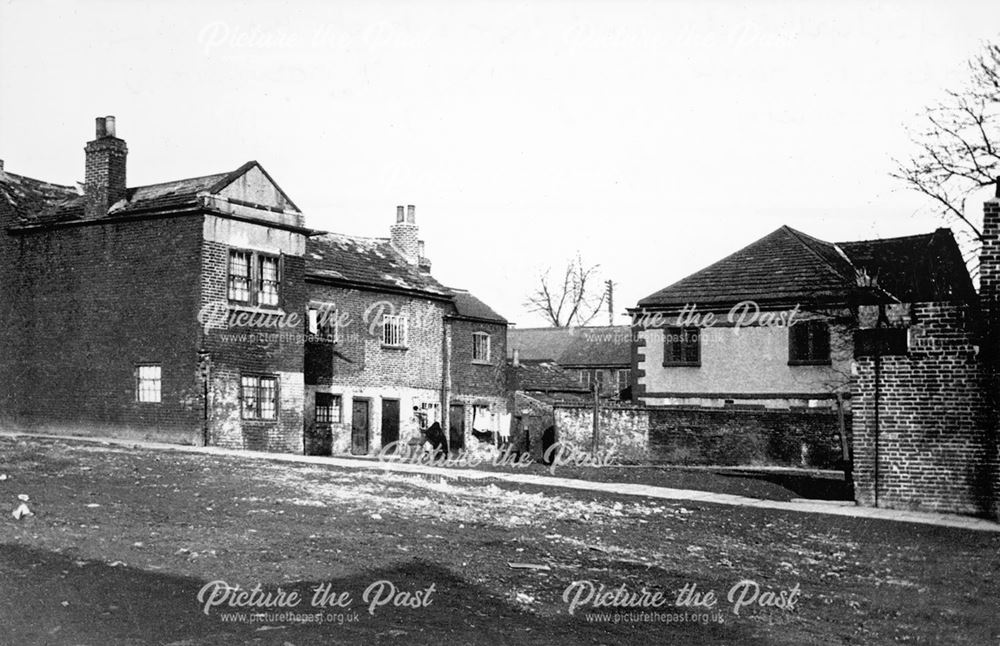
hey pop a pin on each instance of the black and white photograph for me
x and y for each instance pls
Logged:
(499, 322)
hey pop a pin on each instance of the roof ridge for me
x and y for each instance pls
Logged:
(797, 235)
(909, 237)
(176, 181)
(40, 181)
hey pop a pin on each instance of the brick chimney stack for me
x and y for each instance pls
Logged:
(404, 233)
(104, 181)
(989, 302)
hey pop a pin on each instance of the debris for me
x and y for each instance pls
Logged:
(21, 511)
(3, 476)
(64, 603)
(117, 564)
(138, 544)
(529, 566)
(524, 598)
(376, 516)
(598, 548)
(23, 497)
(91, 505)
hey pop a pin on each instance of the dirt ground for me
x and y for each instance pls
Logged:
(122, 541)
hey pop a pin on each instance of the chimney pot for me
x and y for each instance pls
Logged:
(109, 125)
(517, 357)
(411, 216)
(101, 128)
(1, 165)
(399, 214)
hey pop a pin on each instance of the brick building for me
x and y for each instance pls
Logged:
(186, 312)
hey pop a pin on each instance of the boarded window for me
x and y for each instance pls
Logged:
(682, 346)
(259, 394)
(322, 321)
(809, 343)
(327, 408)
(147, 383)
(480, 346)
(394, 330)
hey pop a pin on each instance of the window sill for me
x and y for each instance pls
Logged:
(259, 420)
(482, 362)
(682, 364)
(808, 362)
(255, 309)
(394, 347)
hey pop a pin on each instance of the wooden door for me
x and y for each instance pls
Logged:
(390, 421)
(359, 427)
(456, 427)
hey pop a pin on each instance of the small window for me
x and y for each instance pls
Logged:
(809, 343)
(394, 330)
(322, 322)
(480, 346)
(239, 276)
(682, 346)
(267, 286)
(259, 394)
(147, 384)
(327, 408)
(624, 377)
(585, 377)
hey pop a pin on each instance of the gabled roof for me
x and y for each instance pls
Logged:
(926, 267)
(599, 346)
(469, 307)
(61, 203)
(788, 266)
(366, 262)
(540, 343)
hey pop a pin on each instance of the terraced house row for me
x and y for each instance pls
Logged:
(205, 311)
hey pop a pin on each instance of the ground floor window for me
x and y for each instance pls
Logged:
(260, 396)
(328, 408)
(147, 383)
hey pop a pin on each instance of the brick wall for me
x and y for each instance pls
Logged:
(470, 377)
(989, 298)
(933, 446)
(270, 346)
(731, 436)
(83, 305)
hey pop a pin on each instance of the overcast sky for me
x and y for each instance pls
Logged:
(652, 137)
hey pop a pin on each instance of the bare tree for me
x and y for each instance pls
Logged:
(958, 144)
(573, 298)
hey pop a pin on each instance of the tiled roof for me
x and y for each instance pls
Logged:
(59, 203)
(539, 344)
(366, 261)
(599, 346)
(926, 267)
(790, 266)
(543, 376)
(468, 306)
(27, 196)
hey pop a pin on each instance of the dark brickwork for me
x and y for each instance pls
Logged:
(83, 305)
(273, 345)
(932, 436)
(470, 377)
(732, 436)
(989, 295)
(104, 176)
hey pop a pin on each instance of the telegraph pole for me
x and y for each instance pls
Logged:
(611, 301)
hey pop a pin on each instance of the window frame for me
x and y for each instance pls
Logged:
(489, 346)
(804, 353)
(404, 331)
(328, 330)
(139, 380)
(684, 343)
(623, 384)
(257, 389)
(254, 278)
(336, 404)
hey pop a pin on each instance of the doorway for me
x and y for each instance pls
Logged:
(359, 427)
(456, 427)
(390, 422)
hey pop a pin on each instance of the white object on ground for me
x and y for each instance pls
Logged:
(21, 511)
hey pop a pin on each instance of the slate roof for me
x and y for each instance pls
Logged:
(543, 376)
(539, 344)
(469, 307)
(599, 346)
(372, 262)
(54, 203)
(27, 196)
(789, 266)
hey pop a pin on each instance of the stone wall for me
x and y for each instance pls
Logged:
(623, 431)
